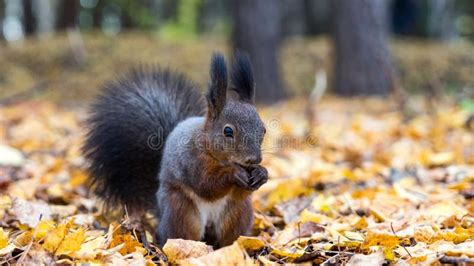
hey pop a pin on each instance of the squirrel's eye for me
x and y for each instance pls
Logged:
(228, 132)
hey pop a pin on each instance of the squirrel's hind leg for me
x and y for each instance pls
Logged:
(237, 221)
(179, 218)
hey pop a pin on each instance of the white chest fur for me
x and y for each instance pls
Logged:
(211, 211)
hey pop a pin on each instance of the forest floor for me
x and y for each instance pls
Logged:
(364, 183)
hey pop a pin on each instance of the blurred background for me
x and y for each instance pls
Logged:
(368, 106)
(64, 50)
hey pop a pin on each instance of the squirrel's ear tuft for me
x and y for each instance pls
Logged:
(242, 81)
(216, 97)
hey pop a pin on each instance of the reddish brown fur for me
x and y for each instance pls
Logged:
(208, 173)
(215, 181)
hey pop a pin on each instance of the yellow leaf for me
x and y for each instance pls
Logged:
(442, 158)
(347, 173)
(451, 222)
(3, 238)
(374, 239)
(322, 204)
(377, 213)
(354, 236)
(309, 216)
(250, 243)
(457, 236)
(43, 228)
(436, 159)
(90, 249)
(5, 204)
(365, 193)
(56, 236)
(360, 224)
(130, 244)
(470, 207)
(287, 190)
(78, 178)
(388, 254)
(23, 239)
(286, 252)
(72, 242)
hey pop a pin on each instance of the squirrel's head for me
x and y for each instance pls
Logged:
(233, 127)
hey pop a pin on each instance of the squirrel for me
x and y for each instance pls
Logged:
(152, 145)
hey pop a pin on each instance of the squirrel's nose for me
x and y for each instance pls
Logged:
(254, 159)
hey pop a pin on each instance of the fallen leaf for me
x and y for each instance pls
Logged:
(90, 249)
(287, 190)
(450, 249)
(376, 258)
(130, 244)
(43, 228)
(230, 255)
(55, 236)
(72, 242)
(23, 239)
(180, 249)
(3, 238)
(360, 223)
(30, 213)
(10, 156)
(250, 243)
(288, 252)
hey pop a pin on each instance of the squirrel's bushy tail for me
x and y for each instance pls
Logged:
(128, 126)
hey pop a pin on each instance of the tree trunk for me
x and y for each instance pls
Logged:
(13, 28)
(28, 18)
(257, 31)
(316, 16)
(406, 17)
(441, 22)
(45, 15)
(362, 58)
(68, 12)
(294, 18)
(2, 18)
(212, 15)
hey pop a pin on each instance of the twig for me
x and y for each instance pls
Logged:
(27, 249)
(338, 240)
(393, 230)
(299, 233)
(328, 261)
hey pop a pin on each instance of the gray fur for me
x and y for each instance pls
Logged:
(180, 150)
(127, 129)
(202, 177)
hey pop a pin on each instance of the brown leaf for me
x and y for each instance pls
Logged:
(180, 249)
(230, 255)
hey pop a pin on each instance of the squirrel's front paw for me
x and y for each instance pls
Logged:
(241, 177)
(258, 177)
